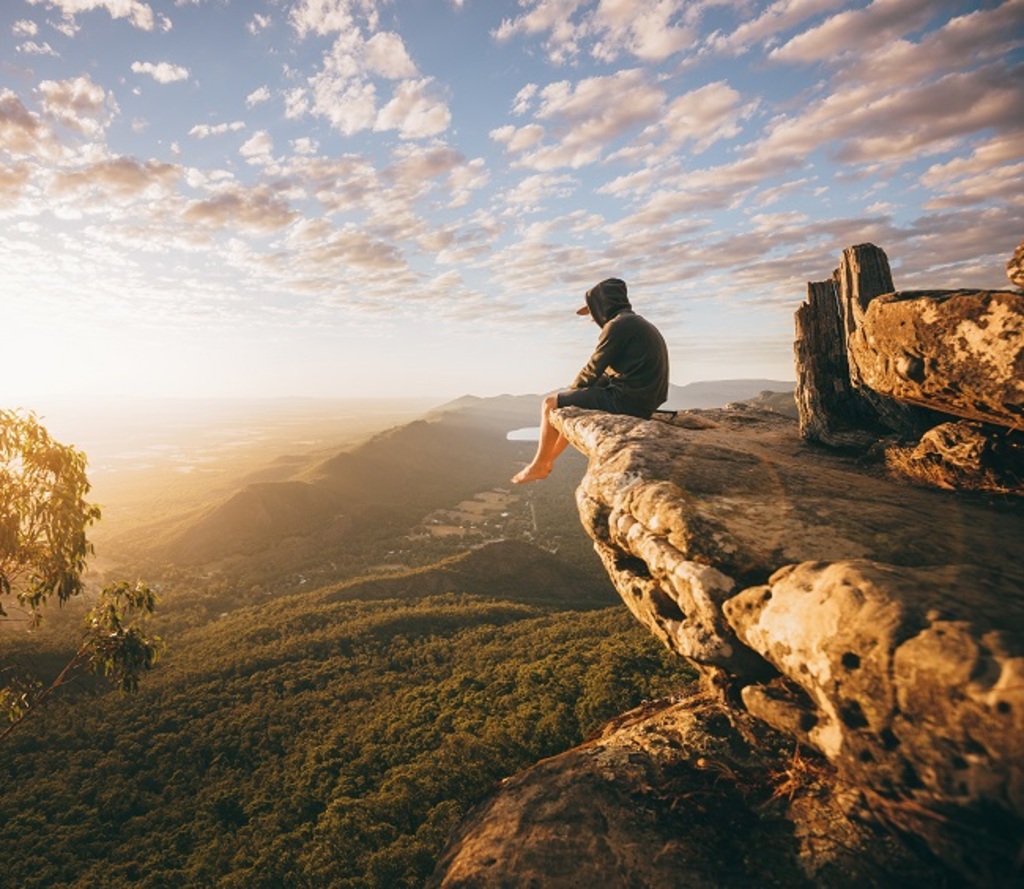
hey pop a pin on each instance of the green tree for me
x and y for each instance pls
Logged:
(44, 548)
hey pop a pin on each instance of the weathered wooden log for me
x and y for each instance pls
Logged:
(960, 352)
(831, 411)
(1015, 266)
(863, 274)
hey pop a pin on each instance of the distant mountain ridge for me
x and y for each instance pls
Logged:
(384, 486)
(718, 393)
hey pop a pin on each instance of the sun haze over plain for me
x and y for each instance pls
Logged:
(361, 197)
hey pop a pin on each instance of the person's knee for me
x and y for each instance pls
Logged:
(550, 403)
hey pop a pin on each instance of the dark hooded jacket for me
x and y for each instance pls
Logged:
(631, 357)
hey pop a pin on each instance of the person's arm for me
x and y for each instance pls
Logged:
(593, 370)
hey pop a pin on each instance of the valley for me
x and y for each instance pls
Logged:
(366, 628)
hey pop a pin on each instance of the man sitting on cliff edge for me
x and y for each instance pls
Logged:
(627, 374)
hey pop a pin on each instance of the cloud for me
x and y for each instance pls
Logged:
(465, 179)
(204, 131)
(863, 126)
(582, 120)
(531, 193)
(21, 133)
(258, 23)
(258, 148)
(79, 104)
(649, 31)
(848, 32)
(704, 116)
(775, 19)
(115, 179)
(257, 97)
(385, 56)
(256, 209)
(344, 92)
(25, 28)
(140, 14)
(330, 16)
(12, 183)
(162, 72)
(990, 174)
(414, 112)
(31, 48)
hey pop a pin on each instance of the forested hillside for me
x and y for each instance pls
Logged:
(313, 742)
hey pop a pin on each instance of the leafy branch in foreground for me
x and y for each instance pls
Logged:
(43, 550)
(115, 646)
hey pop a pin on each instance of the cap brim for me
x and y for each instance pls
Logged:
(584, 311)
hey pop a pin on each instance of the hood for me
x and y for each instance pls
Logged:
(607, 299)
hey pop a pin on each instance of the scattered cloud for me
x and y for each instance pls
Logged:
(161, 72)
(31, 48)
(257, 97)
(414, 111)
(258, 210)
(204, 131)
(715, 168)
(79, 104)
(139, 14)
(580, 121)
(649, 32)
(258, 149)
(258, 23)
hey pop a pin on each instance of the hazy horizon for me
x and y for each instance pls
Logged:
(342, 198)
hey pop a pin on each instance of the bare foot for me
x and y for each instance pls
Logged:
(531, 473)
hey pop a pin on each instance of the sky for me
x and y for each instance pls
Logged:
(372, 198)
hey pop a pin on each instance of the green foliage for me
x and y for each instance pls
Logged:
(116, 645)
(43, 550)
(43, 514)
(313, 743)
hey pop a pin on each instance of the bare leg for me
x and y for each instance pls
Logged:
(551, 444)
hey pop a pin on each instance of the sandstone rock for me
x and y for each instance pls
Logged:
(905, 698)
(1015, 266)
(961, 352)
(683, 794)
(745, 496)
(963, 456)
(892, 616)
(838, 405)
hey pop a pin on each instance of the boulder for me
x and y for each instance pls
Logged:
(678, 794)
(963, 456)
(959, 352)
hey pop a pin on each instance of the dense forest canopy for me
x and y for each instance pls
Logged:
(323, 744)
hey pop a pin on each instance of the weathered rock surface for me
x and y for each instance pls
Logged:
(963, 456)
(960, 352)
(879, 624)
(678, 794)
(873, 364)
